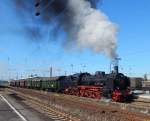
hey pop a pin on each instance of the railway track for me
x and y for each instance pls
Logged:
(141, 103)
(52, 112)
(94, 108)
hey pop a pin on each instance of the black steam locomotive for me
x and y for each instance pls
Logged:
(114, 85)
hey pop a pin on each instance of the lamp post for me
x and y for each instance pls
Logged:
(72, 67)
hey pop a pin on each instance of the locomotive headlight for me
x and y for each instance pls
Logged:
(130, 93)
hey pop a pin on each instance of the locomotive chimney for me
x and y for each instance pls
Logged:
(116, 65)
(116, 69)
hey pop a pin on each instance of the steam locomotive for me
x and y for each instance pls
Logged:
(115, 86)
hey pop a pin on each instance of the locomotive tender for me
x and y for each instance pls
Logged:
(114, 85)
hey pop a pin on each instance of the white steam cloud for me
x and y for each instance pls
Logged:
(92, 29)
(81, 22)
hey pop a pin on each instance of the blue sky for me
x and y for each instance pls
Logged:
(20, 57)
